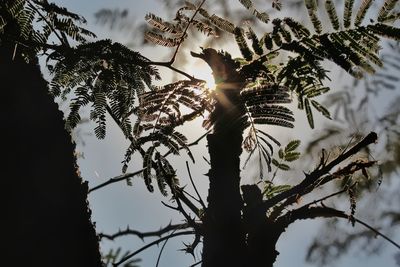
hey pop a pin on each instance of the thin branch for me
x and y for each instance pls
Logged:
(185, 31)
(116, 179)
(306, 212)
(194, 186)
(330, 196)
(169, 66)
(191, 196)
(169, 63)
(169, 206)
(126, 176)
(156, 242)
(142, 235)
(117, 121)
(197, 263)
(162, 249)
(178, 197)
(195, 142)
(63, 41)
(377, 232)
(313, 177)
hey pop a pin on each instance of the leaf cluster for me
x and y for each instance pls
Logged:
(106, 75)
(20, 16)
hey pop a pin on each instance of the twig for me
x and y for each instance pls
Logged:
(156, 242)
(311, 178)
(169, 206)
(377, 232)
(62, 40)
(172, 60)
(194, 186)
(197, 263)
(183, 211)
(142, 235)
(162, 249)
(168, 65)
(191, 196)
(306, 212)
(116, 179)
(185, 31)
(330, 196)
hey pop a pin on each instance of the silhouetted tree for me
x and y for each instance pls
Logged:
(45, 214)
(240, 225)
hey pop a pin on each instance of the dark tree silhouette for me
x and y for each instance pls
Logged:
(240, 225)
(45, 215)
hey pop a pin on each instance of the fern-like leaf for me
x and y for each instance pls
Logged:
(321, 109)
(255, 42)
(310, 117)
(241, 41)
(292, 146)
(311, 6)
(222, 24)
(331, 10)
(387, 6)
(161, 40)
(365, 5)
(385, 31)
(147, 166)
(262, 16)
(348, 10)
(162, 25)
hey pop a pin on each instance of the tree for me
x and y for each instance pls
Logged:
(244, 221)
(46, 217)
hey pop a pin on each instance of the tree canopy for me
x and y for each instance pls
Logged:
(280, 68)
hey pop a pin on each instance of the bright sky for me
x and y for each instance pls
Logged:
(119, 205)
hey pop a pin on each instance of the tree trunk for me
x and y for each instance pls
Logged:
(224, 236)
(235, 233)
(45, 208)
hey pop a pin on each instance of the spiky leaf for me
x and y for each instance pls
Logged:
(348, 10)
(365, 5)
(331, 10)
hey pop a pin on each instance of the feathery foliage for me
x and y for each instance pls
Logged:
(106, 74)
(50, 18)
(117, 82)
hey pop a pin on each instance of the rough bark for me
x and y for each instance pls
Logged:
(45, 208)
(224, 236)
(233, 235)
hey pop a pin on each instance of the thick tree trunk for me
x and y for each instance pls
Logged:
(45, 208)
(224, 236)
(236, 234)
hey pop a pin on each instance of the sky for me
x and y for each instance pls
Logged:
(118, 205)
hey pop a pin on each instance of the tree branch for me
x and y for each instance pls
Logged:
(307, 212)
(185, 31)
(62, 40)
(172, 60)
(169, 66)
(310, 179)
(116, 179)
(142, 235)
(194, 186)
(156, 242)
(126, 176)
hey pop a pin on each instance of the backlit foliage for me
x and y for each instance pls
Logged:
(115, 80)
(51, 20)
(118, 83)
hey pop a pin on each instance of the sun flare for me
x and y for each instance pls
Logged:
(203, 72)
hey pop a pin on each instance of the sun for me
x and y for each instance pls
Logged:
(203, 72)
